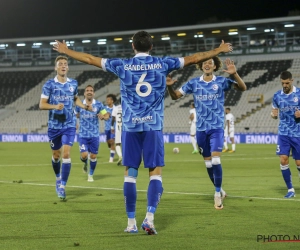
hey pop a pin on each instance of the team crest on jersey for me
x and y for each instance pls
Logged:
(215, 87)
(295, 99)
(71, 89)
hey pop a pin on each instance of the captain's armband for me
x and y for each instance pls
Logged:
(103, 111)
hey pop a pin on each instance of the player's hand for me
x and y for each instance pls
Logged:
(59, 106)
(100, 116)
(231, 69)
(60, 47)
(225, 47)
(170, 81)
(297, 114)
(274, 113)
(89, 107)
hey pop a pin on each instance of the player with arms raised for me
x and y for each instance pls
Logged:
(142, 88)
(209, 92)
(286, 102)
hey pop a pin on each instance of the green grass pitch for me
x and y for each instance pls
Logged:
(32, 217)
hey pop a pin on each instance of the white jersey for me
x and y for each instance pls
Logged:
(230, 118)
(117, 113)
(193, 111)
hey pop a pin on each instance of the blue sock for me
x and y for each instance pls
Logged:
(112, 153)
(65, 171)
(217, 170)
(210, 172)
(286, 173)
(154, 194)
(56, 167)
(130, 196)
(93, 163)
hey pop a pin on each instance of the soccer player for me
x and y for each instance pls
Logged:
(208, 92)
(229, 131)
(110, 137)
(193, 127)
(286, 104)
(88, 138)
(116, 124)
(58, 96)
(142, 88)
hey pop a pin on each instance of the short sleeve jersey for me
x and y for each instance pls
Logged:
(229, 117)
(208, 100)
(142, 87)
(108, 122)
(65, 93)
(193, 111)
(88, 120)
(288, 104)
(117, 113)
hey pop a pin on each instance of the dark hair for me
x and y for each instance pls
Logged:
(217, 62)
(89, 86)
(286, 75)
(142, 41)
(228, 108)
(60, 57)
(112, 96)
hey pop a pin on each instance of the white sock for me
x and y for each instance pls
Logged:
(218, 194)
(225, 145)
(194, 142)
(291, 190)
(131, 222)
(233, 147)
(150, 217)
(119, 152)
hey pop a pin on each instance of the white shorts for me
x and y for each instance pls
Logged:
(193, 129)
(231, 133)
(118, 134)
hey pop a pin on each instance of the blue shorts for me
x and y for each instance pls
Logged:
(286, 143)
(109, 135)
(90, 145)
(59, 137)
(149, 144)
(210, 141)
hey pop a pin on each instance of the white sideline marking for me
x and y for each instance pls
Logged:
(181, 193)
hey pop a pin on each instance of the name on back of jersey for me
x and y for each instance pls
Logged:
(142, 66)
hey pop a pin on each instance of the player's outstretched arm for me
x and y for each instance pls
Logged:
(203, 56)
(62, 47)
(175, 94)
(231, 69)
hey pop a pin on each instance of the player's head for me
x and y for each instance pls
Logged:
(210, 65)
(286, 81)
(192, 105)
(89, 92)
(61, 65)
(111, 99)
(142, 42)
(227, 110)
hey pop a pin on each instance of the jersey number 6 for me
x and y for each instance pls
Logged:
(142, 83)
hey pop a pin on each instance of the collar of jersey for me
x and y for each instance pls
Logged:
(56, 80)
(294, 90)
(141, 54)
(213, 79)
(84, 101)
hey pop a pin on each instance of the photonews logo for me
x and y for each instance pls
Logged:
(263, 238)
